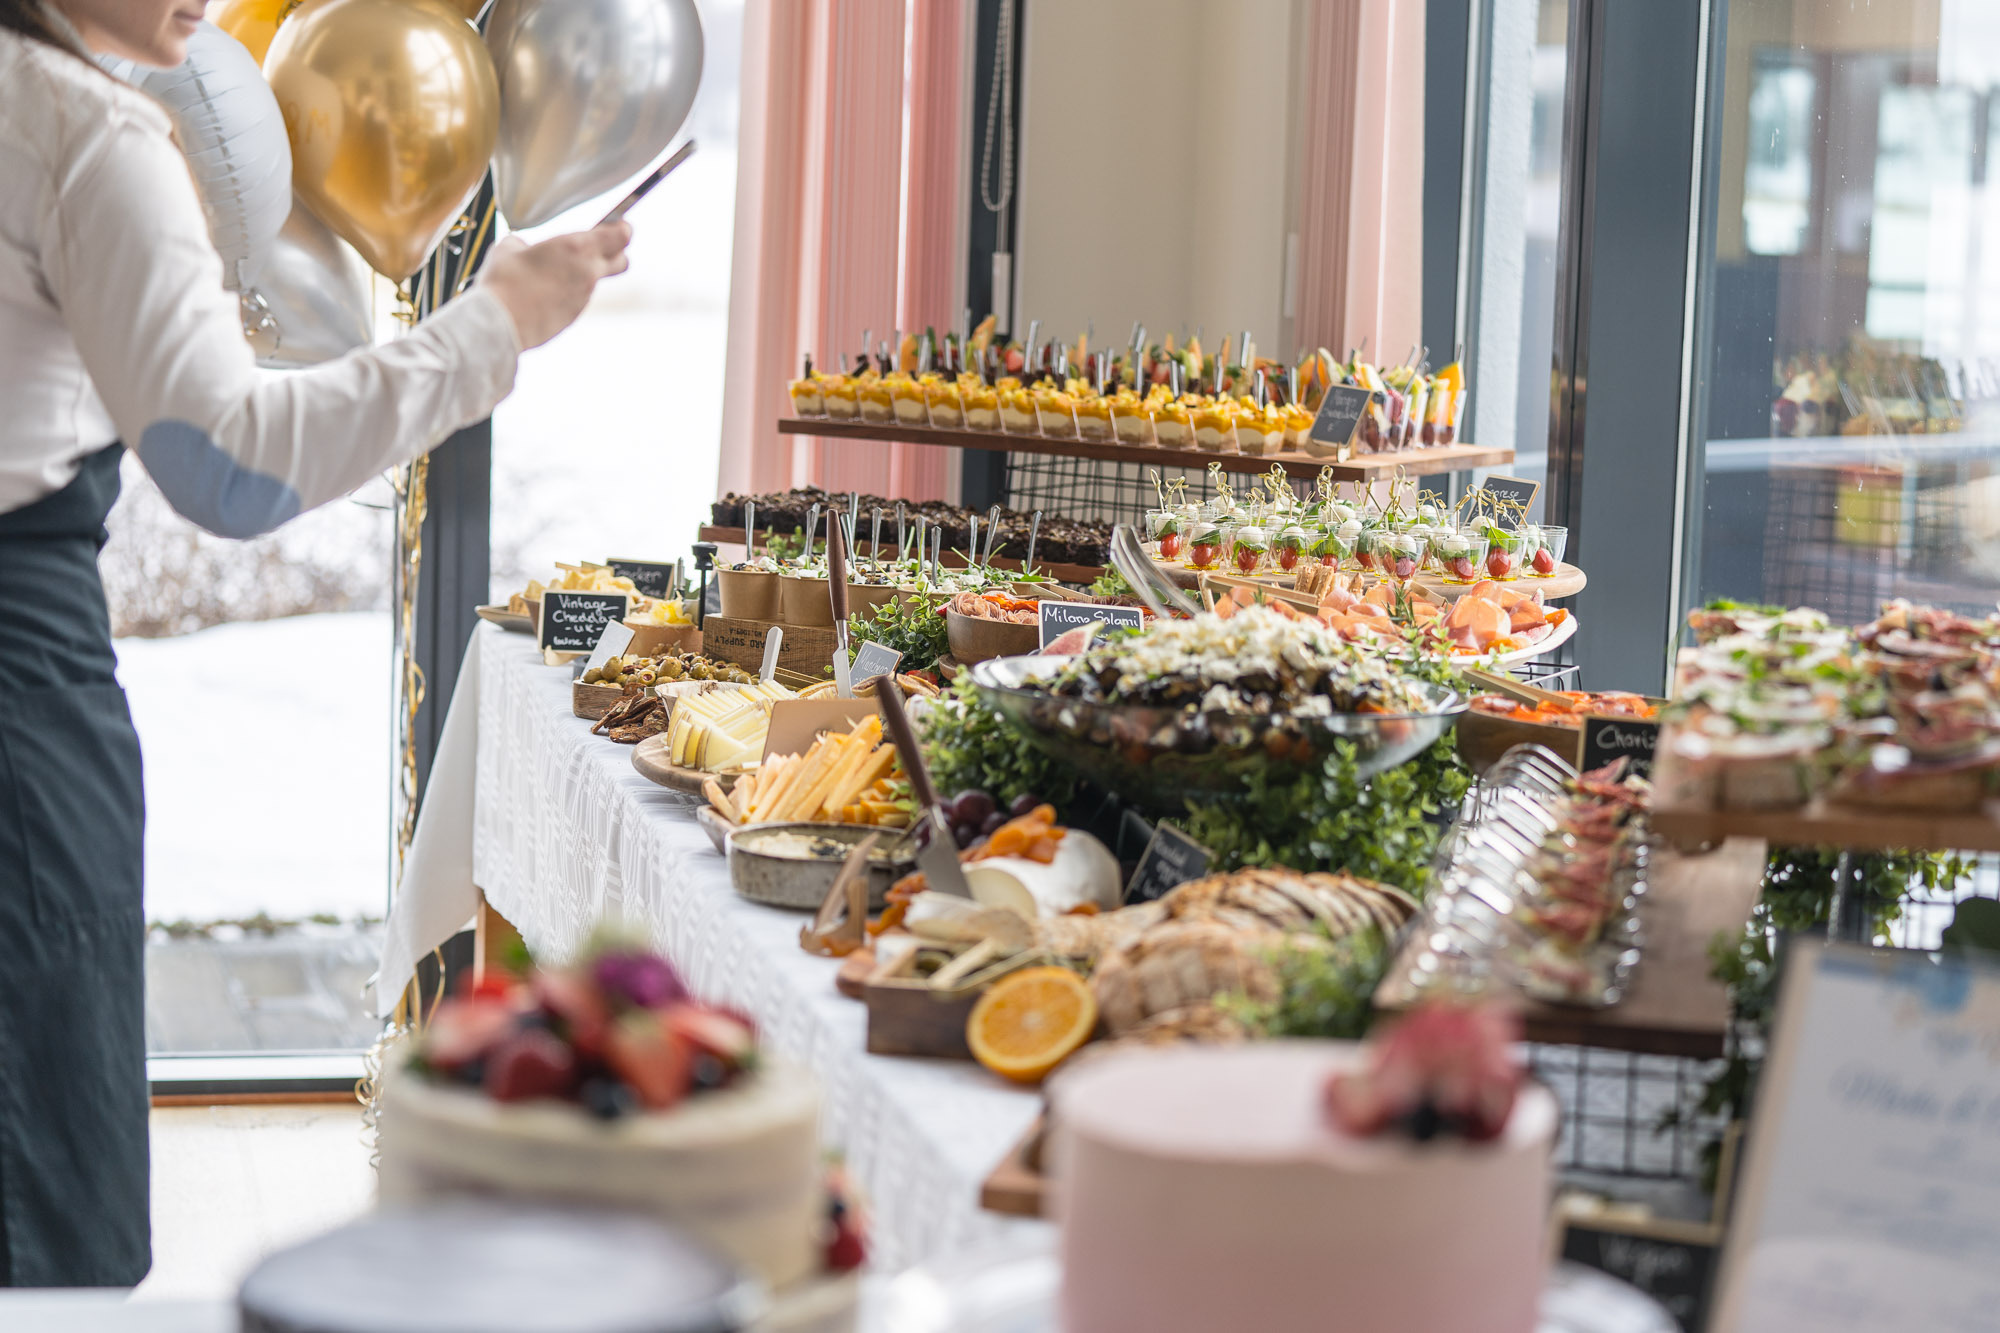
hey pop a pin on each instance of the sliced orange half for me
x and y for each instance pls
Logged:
(1028, 1023)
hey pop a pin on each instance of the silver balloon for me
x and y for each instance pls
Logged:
(591, 91)
(230, 127)
(314, 297)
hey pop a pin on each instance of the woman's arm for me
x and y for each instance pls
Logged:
(239, 450)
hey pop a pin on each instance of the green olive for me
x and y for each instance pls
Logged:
(647, 677)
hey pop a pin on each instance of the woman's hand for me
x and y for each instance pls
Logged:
(546, 286)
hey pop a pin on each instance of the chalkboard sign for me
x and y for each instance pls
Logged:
(872, 660)
(1058, 618)
(1517, 493)
(1340, 414)
(573, 622)
(1674, 1270)
(1608, 738)
(651, 577)
(1171, 859)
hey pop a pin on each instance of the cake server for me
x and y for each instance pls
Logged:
(937, 850)
(836, 591)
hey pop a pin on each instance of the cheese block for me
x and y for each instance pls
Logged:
(724, 728)
(1084, 873)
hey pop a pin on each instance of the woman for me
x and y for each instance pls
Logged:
(114, 326)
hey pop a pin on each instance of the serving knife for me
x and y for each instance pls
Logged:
(937, 850)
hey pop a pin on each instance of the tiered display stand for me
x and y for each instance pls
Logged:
(1356, 468)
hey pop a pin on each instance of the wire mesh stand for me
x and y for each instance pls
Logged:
(1087, 488)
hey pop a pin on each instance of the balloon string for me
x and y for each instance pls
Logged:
(476, 248)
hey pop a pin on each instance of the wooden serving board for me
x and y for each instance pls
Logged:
(1674, 1006)
(1356, 467)
(1824, 824)
(518, 622)
(1017, 1187)
(650, 757)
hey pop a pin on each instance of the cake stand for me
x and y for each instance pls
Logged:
(1012, 1289)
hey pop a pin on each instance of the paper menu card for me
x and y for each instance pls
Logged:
(1871, 1190)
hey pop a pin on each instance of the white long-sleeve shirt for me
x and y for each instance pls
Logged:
(114, 325)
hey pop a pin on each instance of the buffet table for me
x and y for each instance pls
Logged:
(566, 834)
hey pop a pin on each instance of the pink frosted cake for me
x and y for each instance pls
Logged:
(1203, 1189)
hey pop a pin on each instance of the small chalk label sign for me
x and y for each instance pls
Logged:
(1630, 738)
(573, 622)
(1675, 1272)
(652, 578)
(1170, 860)
(1059, 618)
(872, 659)
(1505, 500)
(1340, 413)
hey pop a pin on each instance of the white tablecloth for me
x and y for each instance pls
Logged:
(565, 833)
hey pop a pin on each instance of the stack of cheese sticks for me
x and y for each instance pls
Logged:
(840, 779)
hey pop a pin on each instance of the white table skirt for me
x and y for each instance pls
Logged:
(567, 833)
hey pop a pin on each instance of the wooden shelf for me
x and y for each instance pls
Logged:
(1674, 1006)
(1822, 824)
(952, 559)
(1361, 467)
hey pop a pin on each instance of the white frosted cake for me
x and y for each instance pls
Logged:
(606, 1085)
(737, 1168)
(1202, 1189)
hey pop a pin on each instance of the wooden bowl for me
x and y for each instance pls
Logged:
(976, 640)
(803, 601)
(749, 594)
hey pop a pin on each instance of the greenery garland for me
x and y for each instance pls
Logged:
(1797, 898)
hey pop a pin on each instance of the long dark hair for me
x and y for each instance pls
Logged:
(28, 18)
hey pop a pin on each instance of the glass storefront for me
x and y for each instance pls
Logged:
(1851, 426)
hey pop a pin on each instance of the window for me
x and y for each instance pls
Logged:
(1514, 323)
(1851, 420)
(608, 444)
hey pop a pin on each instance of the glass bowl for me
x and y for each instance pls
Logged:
(1158, 756)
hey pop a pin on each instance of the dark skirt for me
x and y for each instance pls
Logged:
(73, 1098)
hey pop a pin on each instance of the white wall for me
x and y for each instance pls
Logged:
(1154, 178)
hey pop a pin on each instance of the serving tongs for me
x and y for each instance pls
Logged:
(1514, 689)
(1155, 589)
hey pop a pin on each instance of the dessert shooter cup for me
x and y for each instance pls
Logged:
(1503, 553)
(807, 398)
(1055, 413)
(1461, 555)
(840, 400)
(1402, 554)
(1131, 421)
(1548, 556)
(1017, 412)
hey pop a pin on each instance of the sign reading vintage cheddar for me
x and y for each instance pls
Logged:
(573, 622)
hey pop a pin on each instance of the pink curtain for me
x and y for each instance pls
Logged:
(850, 153)
(1360, 248)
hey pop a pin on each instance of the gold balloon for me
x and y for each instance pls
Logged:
(393, 109)
(252, 22)
(469, 8)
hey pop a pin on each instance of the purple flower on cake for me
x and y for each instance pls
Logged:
(643, 979)
(1442, 1069)
(617, 1033)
